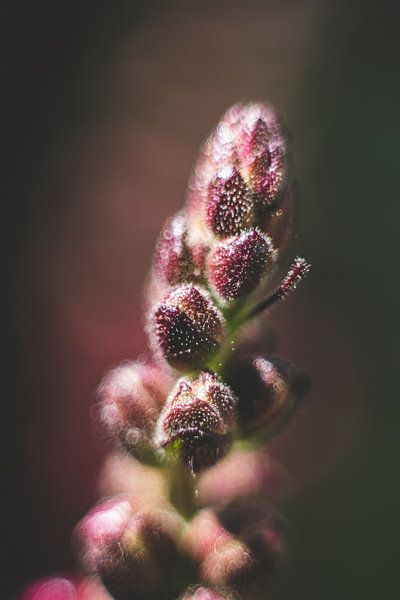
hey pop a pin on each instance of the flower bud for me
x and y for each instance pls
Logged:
(133, 551)
(236, 265)
(199, 416)
(52, 588)
(201, 593)
(237, 548)
(174, 260)
(229, 203)
(130, 397)
(269, 390)
(262, 151)
(186, 328)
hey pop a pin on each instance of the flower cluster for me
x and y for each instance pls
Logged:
(208, 532)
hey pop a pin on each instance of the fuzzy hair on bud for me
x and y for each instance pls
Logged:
(229, 203)
(186, 328)
(174, 260)
(269, 391)
(130, 397)
(132, 550)
(262, 151)
(241, 174)
(199, 416)
(236, 265)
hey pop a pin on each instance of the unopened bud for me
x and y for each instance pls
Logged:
(241, 174)
(262, 152)
(175, 261)
(199, 417)
(229, 203)
(187, 328)
(132, 550)
(130, 399)
(236, 265)
(269, 390)
(201, 593)
(237, 548)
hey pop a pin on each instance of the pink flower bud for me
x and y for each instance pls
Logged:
(174, 260)
(237, 548)
(236, 265)
(130, 397)
(52, 588)
(269, 390)
(262, 151)
(199, 415)
(241, 174)
(132, 550)
(201, 593)
(186, 328)
(229, 204)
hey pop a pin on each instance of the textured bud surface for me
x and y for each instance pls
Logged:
(200, 414)
(236, 266)
(187, 327)
(229, 203)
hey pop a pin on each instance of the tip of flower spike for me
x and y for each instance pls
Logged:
(297, 272)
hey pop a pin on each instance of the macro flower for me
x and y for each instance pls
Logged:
(187, 328)
(236, 265)
(199, 416)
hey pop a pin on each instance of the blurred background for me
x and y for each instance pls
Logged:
(105, 106)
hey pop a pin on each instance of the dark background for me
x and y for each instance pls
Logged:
(105, 105)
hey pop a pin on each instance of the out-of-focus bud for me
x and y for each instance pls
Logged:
(52, 588)
(236, 265)
(201, 593)
(199, 417)
(229, 205)
(63, 588)
(244, 474)
(237, 548)
(175, 261)
(132, 550)
(186, 328)
(268, 390)
(130, 397)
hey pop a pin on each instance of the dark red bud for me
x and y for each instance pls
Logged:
(174, 260)
(133, 551)
(236, 266)
(269, 390)
(199, 415)
(229, 205)
(187, 328)
(130, 398)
